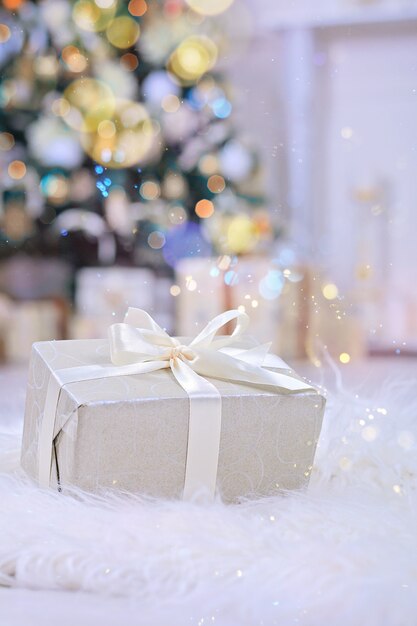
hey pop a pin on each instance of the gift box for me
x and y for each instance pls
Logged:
(276, 298)
(170, 417)
(32, 321)
(104, 293)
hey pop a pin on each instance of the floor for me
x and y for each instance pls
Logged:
(22, 607)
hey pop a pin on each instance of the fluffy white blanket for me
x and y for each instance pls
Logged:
(343, 553)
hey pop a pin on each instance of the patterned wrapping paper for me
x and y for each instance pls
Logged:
(130, 432)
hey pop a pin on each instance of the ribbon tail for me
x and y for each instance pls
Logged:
(216, 364)
(203, 432)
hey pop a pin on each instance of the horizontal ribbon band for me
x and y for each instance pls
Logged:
(139, 346)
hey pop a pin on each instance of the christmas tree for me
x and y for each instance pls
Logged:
(116, 134)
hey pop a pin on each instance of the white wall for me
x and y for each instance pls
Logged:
(351, 200)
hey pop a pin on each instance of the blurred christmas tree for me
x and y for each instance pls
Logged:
(116, 141)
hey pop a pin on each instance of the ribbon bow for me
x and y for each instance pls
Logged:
(139, 345)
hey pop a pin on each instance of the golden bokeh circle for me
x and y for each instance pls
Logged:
(131, 141)
(88, 15)
(194, 56)
(86, 103)
(123, 32)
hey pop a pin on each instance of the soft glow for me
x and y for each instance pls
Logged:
(344, 357)
(369, 433)
(60, 107)
(88, 15)
(73, 59)
(90, 101)
(105, 4)
(129, 61)
(16, 170)
(12, 5)
(192, 58)
(223, 262)
(209, 7)
(216, 183)
(6, 141)
(4, 33)
(123, 32)
(346, 132)
(177, 215)
(156, 240)
(209, 164)
(241, 234)
(131, 142)
(175, 290)
(150, 190)
(190, 283)
(330, 291)
(137, 7)
(204, 209)
(55, 187)
(106, 129)
(170, 103)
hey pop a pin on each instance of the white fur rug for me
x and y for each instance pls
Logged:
(344, 553)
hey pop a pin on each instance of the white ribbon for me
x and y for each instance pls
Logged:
(138, 346)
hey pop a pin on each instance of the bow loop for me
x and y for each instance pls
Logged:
(206, 337)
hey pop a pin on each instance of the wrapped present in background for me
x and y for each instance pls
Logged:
(31, 321)
(276, 298)
(200, 292)
(28, 278)
(336, 326)
(104, 293)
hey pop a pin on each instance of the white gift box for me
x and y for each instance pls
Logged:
(142, 432)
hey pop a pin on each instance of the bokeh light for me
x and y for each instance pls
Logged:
(90, 102)
(193, 57)
(170, 103)
(156, 240)
(209, 7)
(204, 208)
(137, 7)
(16, 170)
(185, 240)
(209, 164)
(271, 285)
(177, 214)
(175, 290)
(4, 33)
(344, 357)
(131, 141)
(123, 32)
(129, 61)
(216, 183)
(12, 5)
(89, 15)
(6, 141)
(241, 234)
(150, 190)
(73, 59)
(330, 291)
(55, 187)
